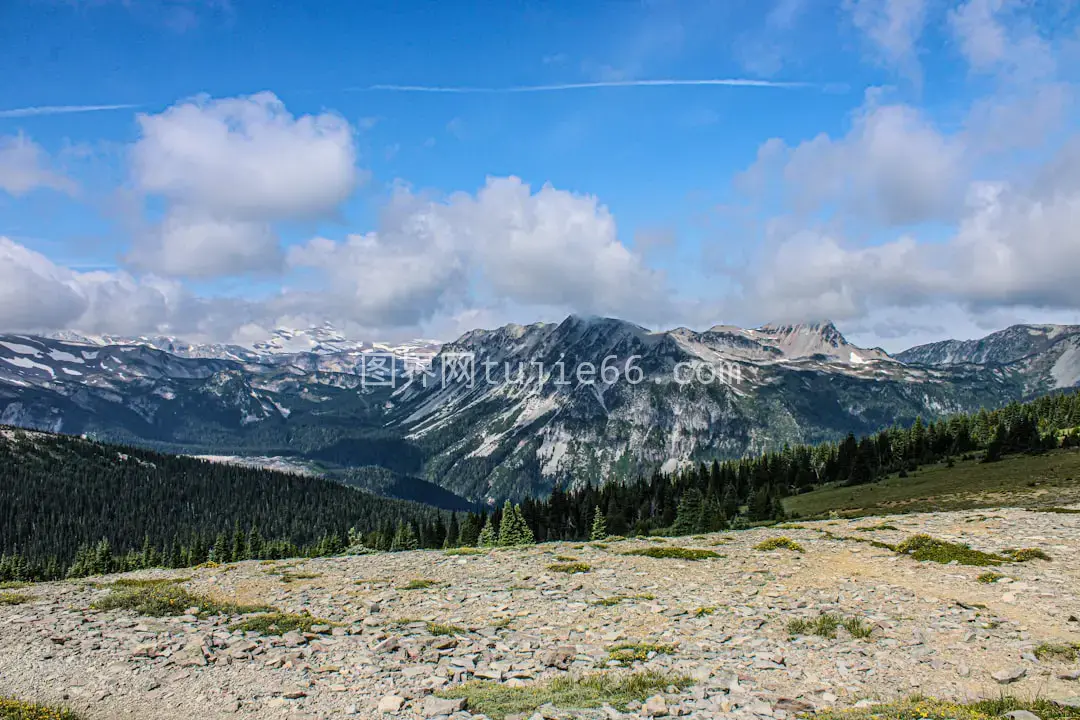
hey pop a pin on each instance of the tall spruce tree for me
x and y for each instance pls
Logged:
(513, 530)
(599, 525)
(488, 535)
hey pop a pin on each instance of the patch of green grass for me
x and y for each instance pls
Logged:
(498, 700)
(679, 553)
(779, 543)
(638, 652)
(440, 629)
(418, 584)
(826, 625)
(823, 626)
(14, 585)
(169, 599)
(570, 568)
(566, 558)
(278, 623)
(1066, 652)
(12, 709)
(1026, 554)
(920, 708)
(465, 551)
(616, 599)
(288, 577)
(924, 547)
(874, 528)
(704, 610)
(789, 526)
(146, 582)
(13, 598)
(989, 577)
(1059, 510)
(857, 628)
(599, 545)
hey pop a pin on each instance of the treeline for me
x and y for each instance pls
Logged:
(71, 506)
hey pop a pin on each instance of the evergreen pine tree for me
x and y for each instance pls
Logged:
(524, 532)
(688, 516)
(508, 527)
(488, 536)
(599, 525)
(404, 538)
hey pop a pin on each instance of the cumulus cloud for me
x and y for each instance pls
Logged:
(894, 28)
(993, 40)
(24, 166)
(36, 294)
(1014, 247)
(197, 246)
(506, 243)
(893, 166)
(227, 170)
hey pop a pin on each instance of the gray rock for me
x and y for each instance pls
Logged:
(560, 657)
(435, 706)
(391, 703)
(656, 706)
(1022, 715)
(390, 644)
(1008, 675)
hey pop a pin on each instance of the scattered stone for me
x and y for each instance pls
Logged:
(391, 703)
(434, 706)
(1022, 715)
(656, 706)
(560, 657)
(1008, 675)
(514, 624)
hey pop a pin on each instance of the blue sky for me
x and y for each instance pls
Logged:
(901, 166)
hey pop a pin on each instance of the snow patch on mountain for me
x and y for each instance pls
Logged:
(21, 349)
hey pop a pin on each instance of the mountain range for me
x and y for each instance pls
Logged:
(512, 411)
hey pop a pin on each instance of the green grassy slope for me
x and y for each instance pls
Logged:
(1022, 480)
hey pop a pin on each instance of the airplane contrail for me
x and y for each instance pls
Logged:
(727, 82)
(60, 110)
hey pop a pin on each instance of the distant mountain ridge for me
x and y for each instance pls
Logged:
(527, 420)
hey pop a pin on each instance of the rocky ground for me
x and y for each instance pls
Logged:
(936, 630)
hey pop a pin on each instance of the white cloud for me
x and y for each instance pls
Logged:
(993, 38)
(894, 27)
(36, 294)
(201, 247)
(24, 167)
(246, 157)
(227, 170)
(505, 244)
(1014, 247)
(893, 167)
